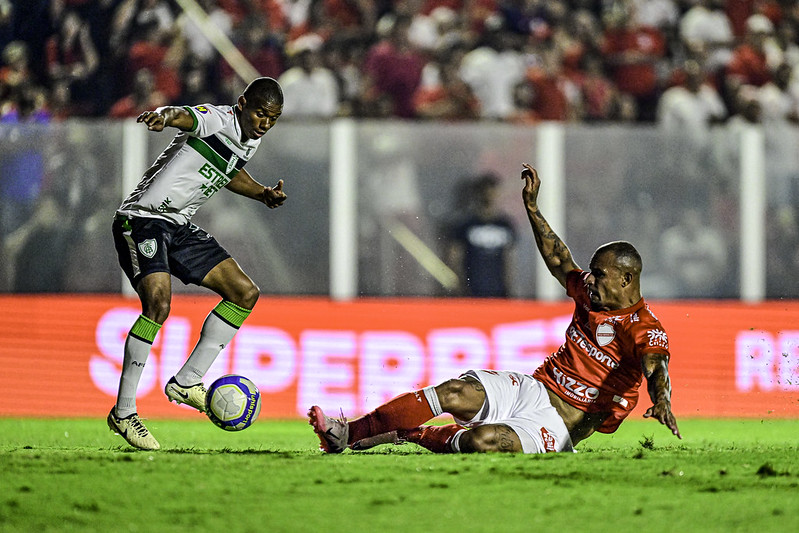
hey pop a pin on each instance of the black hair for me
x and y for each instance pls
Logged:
(627, 257)
(264, 91)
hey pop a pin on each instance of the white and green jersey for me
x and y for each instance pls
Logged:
(192, 168)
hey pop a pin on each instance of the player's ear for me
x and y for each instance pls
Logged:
(241, 103)
(626, 279)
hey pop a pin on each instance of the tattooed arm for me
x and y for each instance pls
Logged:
(656, 371)
(556, 254)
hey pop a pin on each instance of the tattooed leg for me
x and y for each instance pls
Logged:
(490, 438)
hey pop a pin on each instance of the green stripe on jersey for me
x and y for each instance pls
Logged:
(194, 122)
(232, 313)
(208, 153)
(145, 329)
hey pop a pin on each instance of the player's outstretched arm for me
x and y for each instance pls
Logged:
(656, 371)
(556, 254)
(244, 184)
(158, 119)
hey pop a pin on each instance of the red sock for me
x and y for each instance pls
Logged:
(437, 439)
(406, 411)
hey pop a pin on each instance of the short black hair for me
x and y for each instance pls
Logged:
(627, 257)
(262, 91)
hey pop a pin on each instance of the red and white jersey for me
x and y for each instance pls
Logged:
(598, 368)
(193, 167)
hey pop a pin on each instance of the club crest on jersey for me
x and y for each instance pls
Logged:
(232, 163)
(605, 334)
(202, 109)
(148, 248)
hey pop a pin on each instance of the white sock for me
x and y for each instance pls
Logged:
(432, 400)
(137, 350)
(218, 330)
(456, 441)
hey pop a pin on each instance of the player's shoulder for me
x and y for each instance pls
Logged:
(211, 118)
(208, 110)
(645, 327)
(649, 313)
(642, 316)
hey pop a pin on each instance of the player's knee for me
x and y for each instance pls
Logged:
(449, 394)
(157, 309)
(491, 438)
(155, 293)
(243, 293)
(462, 398)
(250, 295)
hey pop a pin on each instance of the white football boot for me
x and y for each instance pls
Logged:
(193, 396)
(132, 430)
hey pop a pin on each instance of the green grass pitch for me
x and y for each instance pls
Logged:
(75, 475)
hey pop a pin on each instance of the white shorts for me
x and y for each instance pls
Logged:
(522, 403)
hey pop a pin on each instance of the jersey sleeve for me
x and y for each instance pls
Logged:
(208, 119)
(650, 337)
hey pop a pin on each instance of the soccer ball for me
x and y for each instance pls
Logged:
(233, 402)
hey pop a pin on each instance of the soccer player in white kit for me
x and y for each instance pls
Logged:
(590, 384)
(155, 239)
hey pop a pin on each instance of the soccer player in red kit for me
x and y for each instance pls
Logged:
(590, 384)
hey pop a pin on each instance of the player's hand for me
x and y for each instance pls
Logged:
(531, 185)
(274, 196)
(662, 413)
(155, 121)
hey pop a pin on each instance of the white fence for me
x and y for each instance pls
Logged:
(370, 203)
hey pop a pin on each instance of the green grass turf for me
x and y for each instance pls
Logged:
(75, 475)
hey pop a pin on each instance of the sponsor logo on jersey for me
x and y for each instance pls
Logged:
(148, 248)
(658, 337)
(592, 351)
(232, 163)
(164, 205)
(216, 180)
(573, 388)
(202, 109)
(549, 441)
(605, 334)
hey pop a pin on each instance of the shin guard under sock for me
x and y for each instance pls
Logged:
(406, 411)
(437, 439)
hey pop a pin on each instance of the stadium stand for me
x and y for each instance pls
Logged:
(576, 60)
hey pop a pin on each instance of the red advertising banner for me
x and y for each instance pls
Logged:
(61, 355)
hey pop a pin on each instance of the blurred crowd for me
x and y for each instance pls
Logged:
(679, 62)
